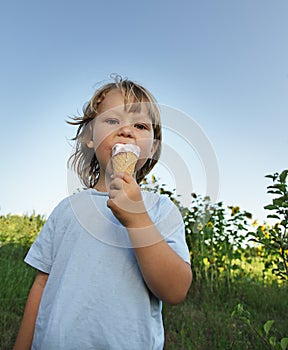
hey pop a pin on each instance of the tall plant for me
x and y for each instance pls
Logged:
(216, 237)
(273, 240)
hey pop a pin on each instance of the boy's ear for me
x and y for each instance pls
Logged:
(90, 144)
(89, 135)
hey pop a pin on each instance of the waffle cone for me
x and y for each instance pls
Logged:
(124, 162)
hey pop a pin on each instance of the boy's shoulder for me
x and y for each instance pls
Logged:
(158, 201)
(64, 205)
(155, 196)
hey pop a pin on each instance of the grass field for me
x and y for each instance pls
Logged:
(203, 321)
(15, 281)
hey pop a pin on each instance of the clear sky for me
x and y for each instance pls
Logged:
(223, 63)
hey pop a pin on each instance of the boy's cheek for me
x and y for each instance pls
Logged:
(140, 163)
(147, 148)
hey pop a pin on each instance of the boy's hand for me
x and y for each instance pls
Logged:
(125, 200)
(166, 274)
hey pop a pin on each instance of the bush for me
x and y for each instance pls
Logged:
(20, 229)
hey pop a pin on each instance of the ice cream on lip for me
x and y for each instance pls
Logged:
(125, 157)
(125, 147)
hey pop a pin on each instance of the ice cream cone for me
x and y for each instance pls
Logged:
(124, 162)
(124, 158)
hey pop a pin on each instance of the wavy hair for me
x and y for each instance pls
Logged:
(83, 161)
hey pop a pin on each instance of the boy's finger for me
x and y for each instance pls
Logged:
(116, 184)
(124, 176)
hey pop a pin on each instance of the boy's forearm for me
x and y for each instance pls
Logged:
(166, 274)
(26, 331)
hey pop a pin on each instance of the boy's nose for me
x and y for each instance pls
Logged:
(126, 131)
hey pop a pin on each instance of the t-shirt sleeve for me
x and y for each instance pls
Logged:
(40, 255)
(171, 226)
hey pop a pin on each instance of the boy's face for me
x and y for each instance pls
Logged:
(115, 125)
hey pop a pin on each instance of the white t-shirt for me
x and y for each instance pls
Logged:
(95, 296)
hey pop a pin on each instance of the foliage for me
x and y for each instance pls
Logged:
(265, 333)
(273, 240)
(20, 229)
(16, 278)
(204, 321)
(216, 238)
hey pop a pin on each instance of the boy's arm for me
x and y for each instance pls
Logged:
(166, 274)
(26, 331)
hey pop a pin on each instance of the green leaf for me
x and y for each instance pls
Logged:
(268, 325)
(272, 341)
(281, 187)
(274, 192)
(274, 176)
(284, 343)
(273, 216)
(248, 215)
(279, 201)
(283, 176)
(270, 207)
(268, 264)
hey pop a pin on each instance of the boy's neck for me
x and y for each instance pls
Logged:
(102, 184)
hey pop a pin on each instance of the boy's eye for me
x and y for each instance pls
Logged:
(141, 126)
(112, 121)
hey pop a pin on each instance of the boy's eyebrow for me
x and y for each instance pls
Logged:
(120, 114)
(141, 116)
(109, 112)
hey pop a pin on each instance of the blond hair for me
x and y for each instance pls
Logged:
(83, 161)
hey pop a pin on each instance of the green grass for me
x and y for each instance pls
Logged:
(202, 322)
(16, 279)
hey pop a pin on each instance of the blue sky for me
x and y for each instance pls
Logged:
(221, 62)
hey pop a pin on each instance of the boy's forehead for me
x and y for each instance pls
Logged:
(114, 101)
